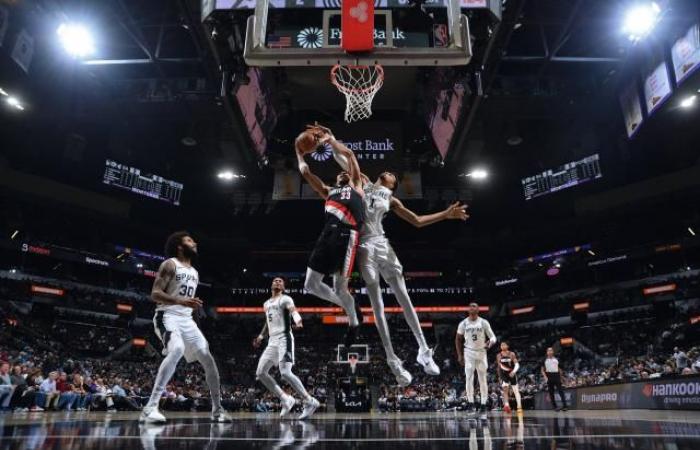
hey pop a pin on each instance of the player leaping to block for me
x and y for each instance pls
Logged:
(377, 258)
(336, 248)
(471, 344)
(279, 314)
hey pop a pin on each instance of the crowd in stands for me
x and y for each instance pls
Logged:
(68, 361)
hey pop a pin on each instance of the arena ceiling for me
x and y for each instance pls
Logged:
(549, 74)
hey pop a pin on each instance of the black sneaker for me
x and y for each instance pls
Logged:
(565, 408)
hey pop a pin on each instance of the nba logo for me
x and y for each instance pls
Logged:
(357, 25)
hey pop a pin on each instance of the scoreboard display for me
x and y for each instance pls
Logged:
(132, 179)
(566, 176)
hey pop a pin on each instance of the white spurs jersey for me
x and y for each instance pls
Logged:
(278, 315)
(377, 203)
(183, 284)
(476, 334)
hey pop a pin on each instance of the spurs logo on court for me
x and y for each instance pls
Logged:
(311, 37)
(323, 153)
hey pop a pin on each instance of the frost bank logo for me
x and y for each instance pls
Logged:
(323, 153)
(311, 37)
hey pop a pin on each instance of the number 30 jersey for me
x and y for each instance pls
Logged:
(183, 284)
(476, 334)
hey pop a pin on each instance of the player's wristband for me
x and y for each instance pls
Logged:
(261, 337)
(303, 166)
(297, 318)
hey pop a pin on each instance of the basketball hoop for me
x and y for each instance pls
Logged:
(359, 84)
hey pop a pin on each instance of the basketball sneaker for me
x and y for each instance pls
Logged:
(310, 408)
(425, 359)
(151, 415)
(506, 409)
(483, 415)
(288, 403)
(403, 377)
(220, 416)
(519, 411)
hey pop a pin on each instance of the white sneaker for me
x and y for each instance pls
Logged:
(220, 416)
(288, 403)
(310, 408)
(425, 359)
(151, 416)
(403, 377)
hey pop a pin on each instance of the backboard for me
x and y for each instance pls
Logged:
(447, 43)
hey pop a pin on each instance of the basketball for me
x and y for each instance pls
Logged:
(307, 142)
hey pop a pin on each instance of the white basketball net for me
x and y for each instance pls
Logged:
(359, 84)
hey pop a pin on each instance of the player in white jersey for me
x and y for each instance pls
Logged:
(279, 313)
(474, 338)
(377, 258)
(174, 291)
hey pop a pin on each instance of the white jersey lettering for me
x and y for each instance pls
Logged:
(377, 203)
(476, 334)
(278, 315)
(183, 284)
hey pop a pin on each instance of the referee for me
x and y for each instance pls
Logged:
(553, 374)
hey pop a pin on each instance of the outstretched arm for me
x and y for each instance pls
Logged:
(310, 177)
(454, 211)
(353, 165)
(343, 155)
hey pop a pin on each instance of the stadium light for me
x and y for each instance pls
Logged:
(641, 20)
(476, 174)
(76, 40)
(228, 175)
(14, 235)
(689, 101)
(691, 231)
(2, 92)
(591, 252)
(15, 103)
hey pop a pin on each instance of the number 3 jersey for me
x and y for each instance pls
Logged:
(476, 334)
(183, 284)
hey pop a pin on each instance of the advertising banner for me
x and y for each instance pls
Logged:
(631, 109)
(657, 87)
(686, 53)
(681, 393)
